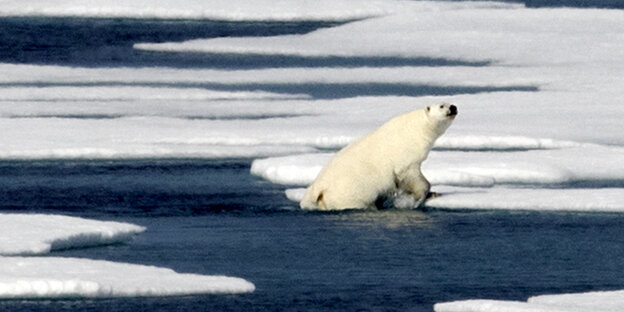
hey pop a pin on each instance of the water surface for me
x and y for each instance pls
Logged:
(212, 217)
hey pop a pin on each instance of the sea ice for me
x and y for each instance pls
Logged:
(234, 119)
(50, 277)
(603, 300)
(599, 301)
(571, 178)
(291, 170)
(237, 10)
(521, 36)
(36, 234)
(538, 199)
(578, 164)
(540, 125)
(508, 198)
(481, 305)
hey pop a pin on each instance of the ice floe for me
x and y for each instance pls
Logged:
(585, 164)
(291, 170)
(565, 177)
(506, 198)
(236, 10)
(542, 199)
(54, 277)
(51, 277)
(520, 36)
(590, 301)
(37, 234)
(598, 301)
(482, 305)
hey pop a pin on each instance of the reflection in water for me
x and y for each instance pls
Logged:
(382, 219)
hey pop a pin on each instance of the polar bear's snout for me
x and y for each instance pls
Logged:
(452, 110)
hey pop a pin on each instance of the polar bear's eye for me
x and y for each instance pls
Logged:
(428, 108)
(441, 106)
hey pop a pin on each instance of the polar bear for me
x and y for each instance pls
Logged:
(383, 164)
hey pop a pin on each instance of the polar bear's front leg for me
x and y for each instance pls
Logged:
(412, 182)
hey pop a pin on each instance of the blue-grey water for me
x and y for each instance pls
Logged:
(213, 217)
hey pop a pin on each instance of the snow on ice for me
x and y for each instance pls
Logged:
(598, 301)
(50, 277)
(237, 10)
(506, 35)
(37, 234)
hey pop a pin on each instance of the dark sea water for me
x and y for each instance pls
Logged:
(212, 217)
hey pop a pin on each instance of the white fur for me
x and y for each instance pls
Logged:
(384, 163)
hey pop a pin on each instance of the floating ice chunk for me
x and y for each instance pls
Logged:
(34, 234)
(502, 198)
(587, 164)
(291, 170)
(295, 194)
(481, 305)
(444, 170)
(47, 277)
(599, 301)
(590, 301)
(578, 177)
(212, 9)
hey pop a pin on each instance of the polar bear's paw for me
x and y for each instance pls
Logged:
(431, 195)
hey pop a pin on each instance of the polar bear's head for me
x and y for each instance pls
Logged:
(441, 116)
(442, 111)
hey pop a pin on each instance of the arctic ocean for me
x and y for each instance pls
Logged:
(152, 155)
